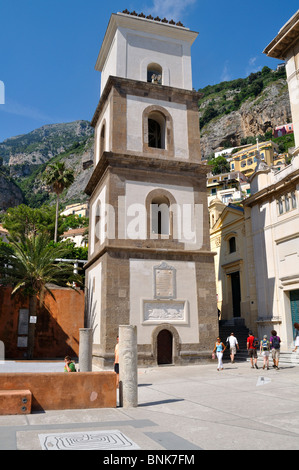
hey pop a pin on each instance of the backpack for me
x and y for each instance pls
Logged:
(275, 342)
(255, 343)
(265, 345)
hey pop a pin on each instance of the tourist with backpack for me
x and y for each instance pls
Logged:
(275, 346)
(252, 345)
(265, 351)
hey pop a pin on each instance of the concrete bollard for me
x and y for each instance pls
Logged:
(85, 349)
(128, 383)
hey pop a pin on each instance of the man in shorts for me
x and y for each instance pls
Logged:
(252, 350)
(233, 345)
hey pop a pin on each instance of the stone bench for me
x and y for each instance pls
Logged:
(62, 390)
(15, 402)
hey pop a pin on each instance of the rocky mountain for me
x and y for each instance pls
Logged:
(42, 144)
(24, 158)
(226, 121)
(10, 194)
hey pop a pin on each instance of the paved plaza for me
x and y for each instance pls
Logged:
(186, 408)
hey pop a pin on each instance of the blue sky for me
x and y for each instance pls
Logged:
(48, 50)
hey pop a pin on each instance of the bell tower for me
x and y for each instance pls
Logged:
(150, 263)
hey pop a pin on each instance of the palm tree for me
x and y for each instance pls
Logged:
(58, 177)
(30, 266)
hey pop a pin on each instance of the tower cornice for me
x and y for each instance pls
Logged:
(140, 88)
(117, 160)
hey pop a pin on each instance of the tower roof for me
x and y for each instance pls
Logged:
(145, 24)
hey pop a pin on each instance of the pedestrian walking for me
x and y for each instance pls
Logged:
(265, 351)
(116, 361)
(219, 349)
(252, 345)
(233, 345)
(275, 348)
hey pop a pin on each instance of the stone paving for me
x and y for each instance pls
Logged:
(187, 408)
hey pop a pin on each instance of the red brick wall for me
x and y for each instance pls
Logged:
(57, 327)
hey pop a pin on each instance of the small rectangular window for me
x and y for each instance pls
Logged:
(280, 206)
(294, 201)
(232, 245)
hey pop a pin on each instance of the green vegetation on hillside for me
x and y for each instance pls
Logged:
(285, 142)
(231, 94)
(27, 184)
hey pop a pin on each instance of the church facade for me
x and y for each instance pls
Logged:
(150, 262)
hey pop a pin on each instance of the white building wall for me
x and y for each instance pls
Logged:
(276, 254)
(292, 70)
(111, 65)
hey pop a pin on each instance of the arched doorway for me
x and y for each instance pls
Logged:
(164, 347)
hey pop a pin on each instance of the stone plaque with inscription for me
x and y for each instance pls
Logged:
(164, 281)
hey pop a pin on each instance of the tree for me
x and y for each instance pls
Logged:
(266, 70)
(23, 220)
(257, 87)
(58, 177)
(73, 221)
(219, 165)
(30, 265)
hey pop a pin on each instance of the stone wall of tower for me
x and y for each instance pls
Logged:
(124, 108)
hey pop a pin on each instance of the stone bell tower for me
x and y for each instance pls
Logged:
(150, 263)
